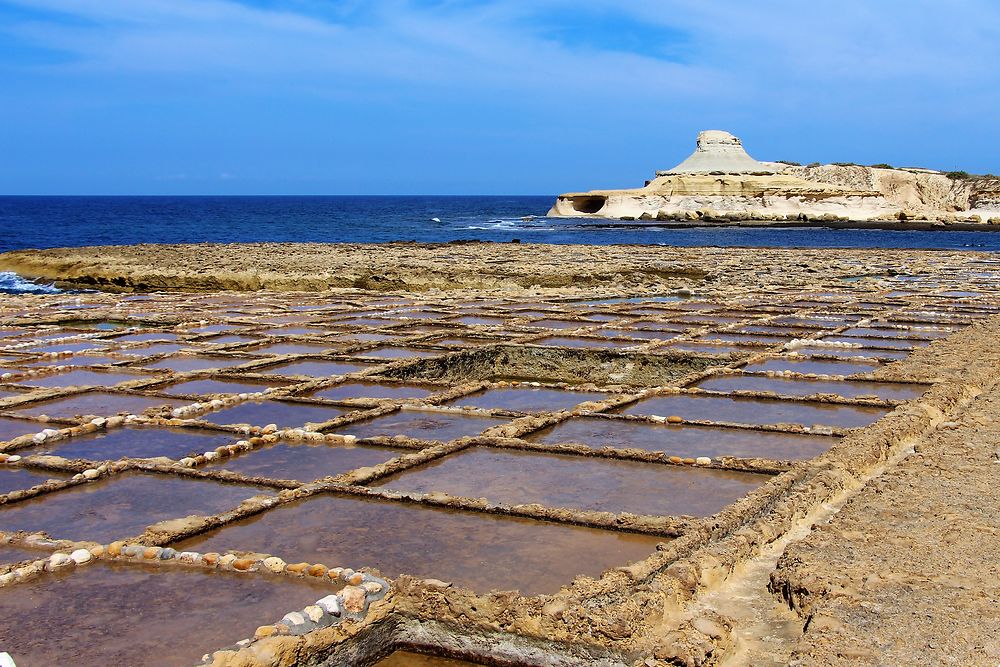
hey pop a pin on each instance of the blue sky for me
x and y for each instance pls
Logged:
(478, 96)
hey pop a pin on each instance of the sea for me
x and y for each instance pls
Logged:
(47, 222)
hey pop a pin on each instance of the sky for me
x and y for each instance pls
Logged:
(479, 96)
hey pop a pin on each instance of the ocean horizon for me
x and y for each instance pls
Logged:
(47, 221)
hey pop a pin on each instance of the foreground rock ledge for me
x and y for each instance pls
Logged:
(452, 266)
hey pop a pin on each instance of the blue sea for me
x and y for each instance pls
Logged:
(46, 222)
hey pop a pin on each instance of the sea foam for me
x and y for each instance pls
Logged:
(11, 283)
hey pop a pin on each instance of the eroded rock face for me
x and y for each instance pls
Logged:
(719, 151)
(720, 181)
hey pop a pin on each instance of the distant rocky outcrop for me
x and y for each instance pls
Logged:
(720, 181)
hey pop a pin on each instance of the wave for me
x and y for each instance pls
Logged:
(11, 283)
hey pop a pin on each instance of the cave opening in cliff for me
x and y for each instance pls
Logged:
(590, 204)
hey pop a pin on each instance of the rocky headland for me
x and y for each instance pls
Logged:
(720, 182)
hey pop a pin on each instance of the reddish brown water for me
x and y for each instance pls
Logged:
(122, 506)
(174, 443)
(373, 390)
(756, 411)
(284, 414)
(81, 378)
(232, 340)
(684, 440)
(185, 364)
(480, 551)
(315, 368)
(423, 425)
(99, 403)
(589, 483)
(306, 463)
(818, 366)
(527, 399)
(804, 387)
(212, 386)
(137, 614)
(16, 479)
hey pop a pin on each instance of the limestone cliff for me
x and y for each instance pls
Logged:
(721, 181)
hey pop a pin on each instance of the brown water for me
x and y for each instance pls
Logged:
(137, 614)
(423, 425)
(315, 368)
(661, 326)
(804, 387)
(81, 378)
(480, 551)
(756, 411)
(818, 366)
(293, 331)
(12, 428)
(16, 479)
(185, 364)
(232, 339)
(588, 483)
(284, 414)
(306, 462)
(134, 442)
(212, 386)
(460, 342)
(684, 440)
(99, 403)
(121, 506)
(374, 390)
(527, 399)
(408, 659)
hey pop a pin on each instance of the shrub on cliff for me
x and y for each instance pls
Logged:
(958, 175)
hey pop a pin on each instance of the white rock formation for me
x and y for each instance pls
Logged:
(720, 181)
(719, 152)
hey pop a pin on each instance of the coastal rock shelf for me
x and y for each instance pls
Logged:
(532, 476)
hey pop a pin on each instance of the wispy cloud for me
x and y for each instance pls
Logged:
(604, 80)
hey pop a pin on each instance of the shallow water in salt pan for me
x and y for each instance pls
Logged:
(135, 614)
(588, 483)
(284, 414)
(121, 506)
(527, 399)
(425, 425)
(480, 551)
(806, 387)
(756, 411)
(684, 440)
